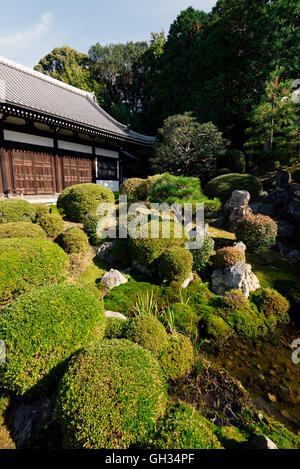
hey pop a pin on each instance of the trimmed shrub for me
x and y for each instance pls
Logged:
(143, 191)
(223, 186)
(226, 257)
(202, 255)
(82, 199)
(28, 263)
(13, 210)
(177, 359)
(215, 327)
(131, 188)
(185, 318)
(179, 189)
(73, 240)
(111, 396)
(41, 329)
(41, 210)
(90, 224)
(236, 299)
(122, 252)
(21, 229)
(272, 303)
(258, 232)
(175, 264)
(234, 160)
(147, 331)
(184, 428)
(52, 224)
(115, 328)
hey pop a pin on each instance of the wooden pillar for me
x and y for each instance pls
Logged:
(94, 169)
(6, 171)
(58, 167)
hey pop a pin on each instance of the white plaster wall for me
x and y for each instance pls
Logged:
(20, 137)
(112, 185)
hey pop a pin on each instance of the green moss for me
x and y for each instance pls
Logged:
(52, 224)
(177, 359)
(14, 210)
(230, 437)
(223, 186)
(147, 331)
(21, 230)
(272, 304)
(185, 319)
(115, 328)
(216, 327)
(74, 240)
(175, 264)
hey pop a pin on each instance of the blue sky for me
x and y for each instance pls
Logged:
(30, 29)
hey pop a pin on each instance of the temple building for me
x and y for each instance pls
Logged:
(53, 135)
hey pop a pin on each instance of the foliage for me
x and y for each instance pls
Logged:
(83, 199)
(188, 148)
(115, 386)
(90, 224)
(185, 319)
(171, 189)
(147, 331)
(223, 186)
(216, 327)
(21, 230)
(74, 240)
(177, 358)
(226, 257)
(41, 210)
(145, 304)
(184, 428)
(52, 224)
(130, 188)
(234, 160)
(202, 255)
(258, 232)
(236, 299)
(272, 303)
(175, 264)
(42, 328)
(14, 210)
(28, 263)
(115, 328)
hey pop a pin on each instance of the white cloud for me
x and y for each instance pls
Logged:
(27, 38)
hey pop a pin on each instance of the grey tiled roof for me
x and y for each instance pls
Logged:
(33, 90)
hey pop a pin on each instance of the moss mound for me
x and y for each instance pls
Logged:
(52, 224)
(177, 358)
(147, 331)
(185, 318)
(184, 428)
(111, 396)
(13, 210)
(41, 210)
(78, 201)
(258, 232)
(74, 240)
(21, 229)
(223, 186)
(115, 328)
(175, 264)
(227, 257)
(42, 328)
(202, 255)
(272, 303)
(28, 263)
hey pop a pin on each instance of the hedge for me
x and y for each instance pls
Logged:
(223, 186)
(29, 263)
(111, 396)
(79, 200)
(74, 240)
(53, 224)
(13, 210)
(41, 329)
(21, 229)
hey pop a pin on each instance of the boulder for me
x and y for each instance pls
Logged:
(199, 230)
(259, 442)
(278, 197)
(293, 210)
(294, 190)
(240, 246)
(237, 199)
(283, 179)
(237, 277)
(238, 213)
(285, 229)
(113, 314)
(105, 252)
(113, 279)
(263, 208)
(188, 281)
(294, 254)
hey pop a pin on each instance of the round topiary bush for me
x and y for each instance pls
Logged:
(258, 232)
(131, 188)
(90, 225)
(175, 264)
(111, 396)
(184, 428)
(147, 331)
(223, 186)
(236, 299)
(82, 199)
(226, 257)
(21, 229)
(41, 210)
(73, 240)
(28, 263)
(13, 210)
(272, 303)
(41, 329)
(115, 328)
(52, 224)
(202, 255)
(177, 359)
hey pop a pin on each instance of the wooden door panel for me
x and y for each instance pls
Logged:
(33, 173)
(77, 171)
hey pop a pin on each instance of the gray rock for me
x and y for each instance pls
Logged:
(113, 279)
(263, 208)
(237, 214)
(293, 210)
(237, 199)
(293, 254)
(259, 442)
(283, 179)
(105, 252)
(294, 190)
(199, 231)
(278, 196)
(240, 246)
(188, 281)
(113, 314)
(285, 229)
(237, 277)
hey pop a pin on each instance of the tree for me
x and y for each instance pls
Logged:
(273, 132)
(71, 67)
(188, 148)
